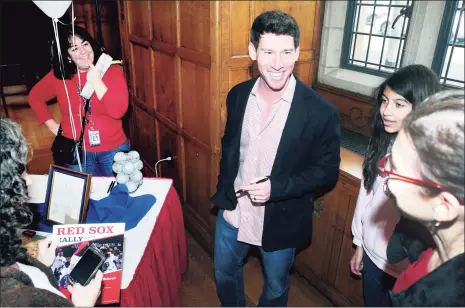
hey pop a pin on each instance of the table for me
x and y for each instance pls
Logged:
(155, 251)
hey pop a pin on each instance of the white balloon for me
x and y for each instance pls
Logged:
(53, 9)
(128, 168)
(138, 165)
(134, 155)
(131, 186)
(120, 157)
(117, 168)
(122, 178)
(136, 176)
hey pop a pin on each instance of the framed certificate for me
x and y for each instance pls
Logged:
(67, 196)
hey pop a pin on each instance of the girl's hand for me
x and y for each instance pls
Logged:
(356, 263)
(93, 75)
(94, 78)
(53, 126)
(86, 296)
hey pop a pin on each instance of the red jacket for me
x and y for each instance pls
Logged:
(105, 114)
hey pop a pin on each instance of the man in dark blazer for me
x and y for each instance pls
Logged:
(283, 135)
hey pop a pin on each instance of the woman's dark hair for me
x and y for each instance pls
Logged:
(13, 208)
(436, 129)
(69, 68)
(415, 83)
(275, 22)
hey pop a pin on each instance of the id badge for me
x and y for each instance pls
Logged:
(94, 138)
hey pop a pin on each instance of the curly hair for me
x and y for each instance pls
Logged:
(13, 209)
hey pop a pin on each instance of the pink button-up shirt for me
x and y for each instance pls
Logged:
(259, 144)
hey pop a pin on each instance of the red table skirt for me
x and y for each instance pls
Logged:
(157, 278)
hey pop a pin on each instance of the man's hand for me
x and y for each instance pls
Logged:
(260, 192)
(46, 250)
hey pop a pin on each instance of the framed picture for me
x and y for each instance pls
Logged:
(67, 196)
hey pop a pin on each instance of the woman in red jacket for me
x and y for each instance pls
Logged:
(107, 106)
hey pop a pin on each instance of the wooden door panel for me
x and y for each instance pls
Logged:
(165, 72)
(164, 21)
(198, 177)
(195, 100)
(237, 76)
(142, 75)
(303, 71)
(146, 143)
(139, 16)
(339, 200)
(239, 29)
(195, 25)
(350, 213)
(349, 286)
(314, 257)
(170, 146)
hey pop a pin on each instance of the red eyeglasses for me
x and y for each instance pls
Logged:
(385, 173)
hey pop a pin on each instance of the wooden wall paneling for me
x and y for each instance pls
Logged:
(196, 100)
(314, 258)
(170, 144)
(215, 96)
(317, 30)
(356, 110)
(80, 13)
(164, 20)
(195, 25)
(165, 79)
(110, 28)
(146, 142)
(345, 282)
(198, 161)
(142, 64)
(139, 19)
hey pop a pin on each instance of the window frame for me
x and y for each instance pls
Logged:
(347, 41)
(442, 42)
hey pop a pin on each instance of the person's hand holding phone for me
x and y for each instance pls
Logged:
(46, 249)
(259, 189)
(86, 296)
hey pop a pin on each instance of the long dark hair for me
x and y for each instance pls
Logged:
(415, 83)
(69, 69)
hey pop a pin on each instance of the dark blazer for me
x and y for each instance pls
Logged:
(306, 164)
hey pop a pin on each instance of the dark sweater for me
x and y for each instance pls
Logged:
(18, 290)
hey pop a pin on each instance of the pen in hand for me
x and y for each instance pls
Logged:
(258, 182)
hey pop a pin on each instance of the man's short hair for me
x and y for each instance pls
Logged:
(275, 22)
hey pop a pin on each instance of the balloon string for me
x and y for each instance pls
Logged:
(72, 19)
(60, 60)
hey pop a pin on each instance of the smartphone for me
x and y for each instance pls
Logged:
(87, 266)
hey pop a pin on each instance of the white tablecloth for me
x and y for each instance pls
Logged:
(135, 240)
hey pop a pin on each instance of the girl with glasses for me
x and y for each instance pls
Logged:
(426, 177)
(376, 215)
